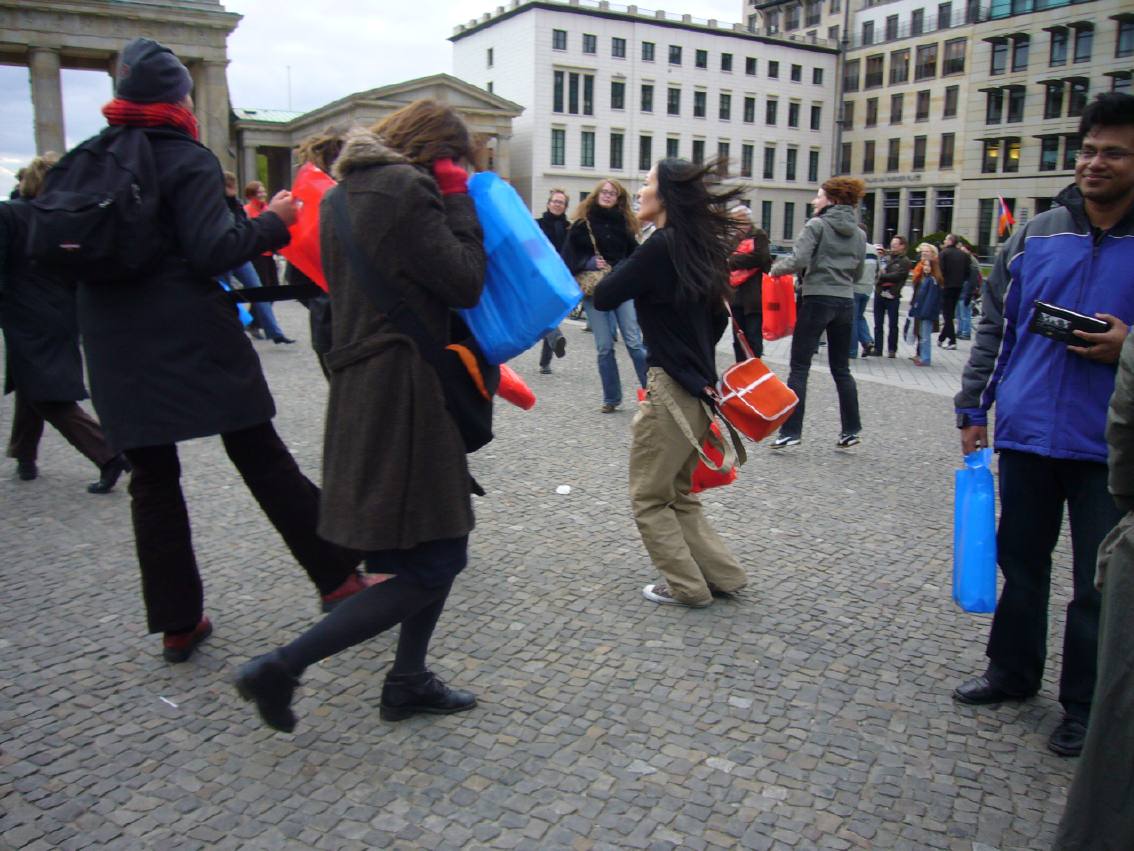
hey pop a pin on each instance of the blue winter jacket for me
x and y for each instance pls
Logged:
(1049, 401)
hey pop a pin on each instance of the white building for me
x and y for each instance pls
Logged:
(607, 91)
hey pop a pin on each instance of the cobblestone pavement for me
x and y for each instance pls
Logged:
(812, 712)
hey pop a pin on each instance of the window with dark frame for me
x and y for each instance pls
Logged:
(587, 149)
(618, 47)
(1057, 47)
(952, 95)
(645, 153)
(917, 21)
(1084, 42)
(899, 66)
(812, 166)
(868, 32)
(990, 156)
(1012, 154)
(848, 114)
(1021, 45)
(797, 73)
(770, 106)
(647, 51)
(845, 154)
(1016, 98)
(790, 163)
(891, 27)
(672, 147)
(789, 220)
(925, 65)
(868, 157)
(726, 62)
(850, 75)
(722, 160)
(588, 94)
(893, 154)
(616, 142)
(897, 104)
(953, 61)
(673, 101)
(793, 114)
(1053, 99)
(944, 15)
(919, 148)
(774, 70)
(948, 147)
(1077, 97)
(871, 112)
(816, 116)
(750, 66)
(749, 110)
(1049, 153)
(647, 101)
(994, 106)
(700, 59)
(698, 151)
(558, 81)
(699, 104)
(998, 58)
(921, 108)
(558, 146)
(725, 107)
(1124, 41)
(816, 76)
(769, 162)
(747, 156)
(573, 94)
(617, 94)
(488, 58)
(674, 56)
(590, 43)
(559, 39)
(766, 216)
(874, 70)
(1071, 145)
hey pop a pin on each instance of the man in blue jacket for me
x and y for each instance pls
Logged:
(1051, 403)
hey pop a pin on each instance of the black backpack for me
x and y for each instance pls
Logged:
(96, 216)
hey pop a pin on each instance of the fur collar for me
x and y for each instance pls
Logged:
(363, 149)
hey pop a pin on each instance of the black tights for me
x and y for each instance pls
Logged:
(401, 600)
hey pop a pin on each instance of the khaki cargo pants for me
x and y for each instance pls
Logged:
(681, 544)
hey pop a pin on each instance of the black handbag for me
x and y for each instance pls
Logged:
(468, 380)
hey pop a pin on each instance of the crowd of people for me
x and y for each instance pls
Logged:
(396, 489)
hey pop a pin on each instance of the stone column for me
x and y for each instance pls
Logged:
(47, 99)
(503, 156)
(248, 159)
(210, 99)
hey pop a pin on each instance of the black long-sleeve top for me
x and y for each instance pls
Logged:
(681, 337)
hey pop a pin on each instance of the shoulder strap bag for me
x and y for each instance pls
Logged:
(588, 279)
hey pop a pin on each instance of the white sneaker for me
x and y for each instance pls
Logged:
(848, 440)
(659, 593)
(785, 440)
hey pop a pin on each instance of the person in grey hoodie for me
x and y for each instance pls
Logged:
(828, 254)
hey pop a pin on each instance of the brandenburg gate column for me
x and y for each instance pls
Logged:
(47, 99)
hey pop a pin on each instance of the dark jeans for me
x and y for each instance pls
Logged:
(817, 314)
(171, 584)
(67, 418)
(1033, 490)
(885, 309)
(949, 299)
(752, 324)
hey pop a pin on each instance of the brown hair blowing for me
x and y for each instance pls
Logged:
(844, 190)
(31, 177)
(426, 131)
(322, 149)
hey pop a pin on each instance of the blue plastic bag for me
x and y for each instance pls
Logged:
(528, 290)
(974, 534)
(241, 310)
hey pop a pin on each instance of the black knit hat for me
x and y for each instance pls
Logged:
(148, 72)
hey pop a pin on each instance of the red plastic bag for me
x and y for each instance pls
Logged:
(513, 389)
(779, 306)
(304, 251)
(703, 477)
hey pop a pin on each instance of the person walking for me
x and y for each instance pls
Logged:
(41, 344)
(828, 254)
(169, 361)
(678, 281)
(955, 271)
(396, 479)
(925, 306)
(256, 202)
(554, 225)
(245, 273)
(747, 266)
(1051, 405)
(604, 233)
(863, 289)
(888, 296)
(969, 293)
(1098, 816)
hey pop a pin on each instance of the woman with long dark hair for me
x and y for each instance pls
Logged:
(603, 234)
(396, 481)
(678, 280)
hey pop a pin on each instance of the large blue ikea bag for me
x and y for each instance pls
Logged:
(974, 534)
(528, 290)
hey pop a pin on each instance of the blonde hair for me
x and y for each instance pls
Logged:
(31, 178)
(930, 247)
(622, 205)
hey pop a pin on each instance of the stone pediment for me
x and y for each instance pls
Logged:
(443, 87)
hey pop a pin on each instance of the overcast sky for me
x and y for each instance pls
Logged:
(332, 49)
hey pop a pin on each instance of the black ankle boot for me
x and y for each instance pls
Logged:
(404, 695)
(267, 681)
(27, 470)
(111, 470)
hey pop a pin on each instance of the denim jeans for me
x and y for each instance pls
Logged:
(1033, 490)
(964, 319)
(925, 340)
(861, 329)
(261, 310)
(817, 314)
(602, 328)
(885, 310)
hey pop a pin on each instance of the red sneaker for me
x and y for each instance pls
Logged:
(354, 583)
(179, 646)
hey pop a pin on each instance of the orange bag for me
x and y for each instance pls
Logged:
(513, 389)
(738, 276)
(304, 251)
(751, 398)
(779, 306)
(703, 476)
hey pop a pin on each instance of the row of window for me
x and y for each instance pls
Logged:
(917, 23)
(676, 57)
(897, 108)
(697, 155)
(917, 204)
(798, 15)
(1012, 52)
(1014, 97)
(1003, 155)
(945, 155)
(574, 93)
(925, 65)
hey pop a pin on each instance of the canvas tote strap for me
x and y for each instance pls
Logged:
(733, 453)
(591, 234)
(740, 335)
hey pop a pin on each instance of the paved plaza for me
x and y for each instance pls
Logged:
(812, 712)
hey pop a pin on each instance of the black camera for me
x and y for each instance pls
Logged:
(1060, 324)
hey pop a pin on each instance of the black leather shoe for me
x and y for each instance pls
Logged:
(404, 695)
(282, 339)
(111, 470)
(979, 691)
(1067, 738)
(27, 470)
(560, 347)
(267, 681)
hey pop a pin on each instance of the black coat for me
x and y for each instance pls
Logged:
(167, 357)
(615, 241)
(41, 332)
(554, 228)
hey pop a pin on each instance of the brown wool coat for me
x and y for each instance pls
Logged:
(394, 468)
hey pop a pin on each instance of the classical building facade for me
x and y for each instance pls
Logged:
(49, 35)
(608, 90)
(275, 134)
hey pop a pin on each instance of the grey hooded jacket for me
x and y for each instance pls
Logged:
(828, 253)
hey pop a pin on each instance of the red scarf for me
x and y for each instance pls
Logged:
(130, 114)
